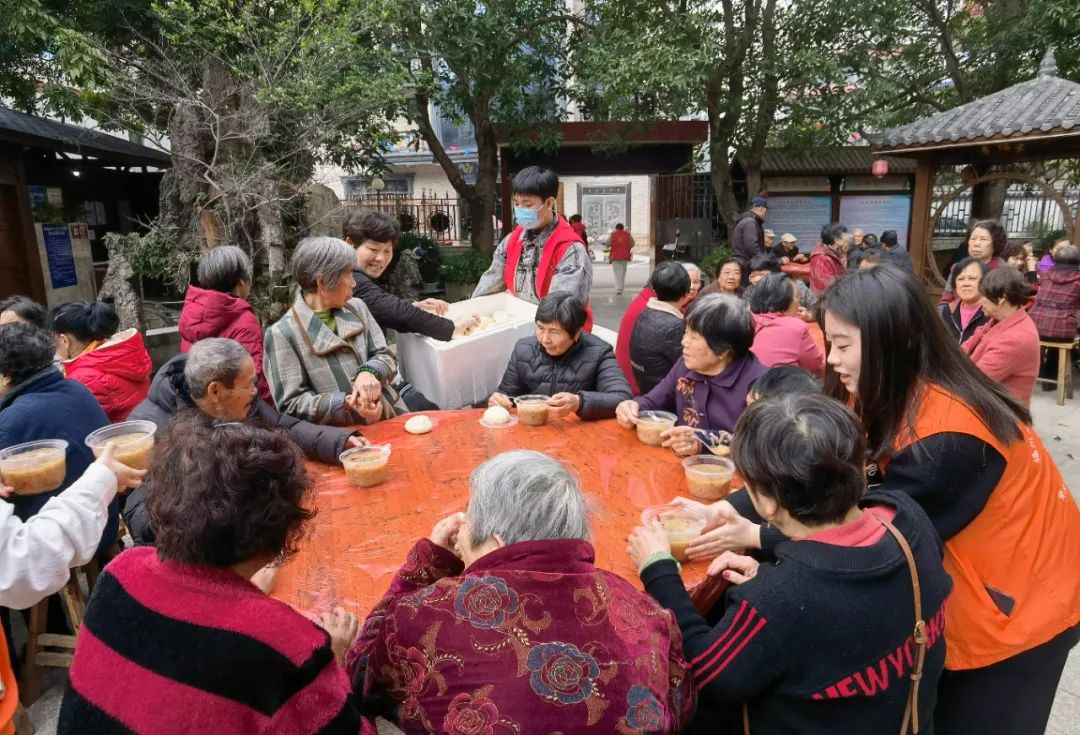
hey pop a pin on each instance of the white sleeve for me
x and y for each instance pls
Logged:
(35, 556)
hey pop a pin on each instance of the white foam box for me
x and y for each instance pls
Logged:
(467, 370)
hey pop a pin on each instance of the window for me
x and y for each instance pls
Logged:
(396, 186)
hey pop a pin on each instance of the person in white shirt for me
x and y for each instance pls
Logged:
(36, 555)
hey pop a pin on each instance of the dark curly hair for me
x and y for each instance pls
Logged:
(998, 237)
(221, 493)
(24, 350)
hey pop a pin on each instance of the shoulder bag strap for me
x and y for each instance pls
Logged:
(911, 711)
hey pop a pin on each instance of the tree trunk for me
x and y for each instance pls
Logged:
(720, 170)
(482, 205)
(988, 200)
(117, 288)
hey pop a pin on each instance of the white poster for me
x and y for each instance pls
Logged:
(802, 216)
(876, 213)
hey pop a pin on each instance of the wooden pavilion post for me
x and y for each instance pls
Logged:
(920, 240)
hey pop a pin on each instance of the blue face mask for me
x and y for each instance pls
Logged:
(527, 217)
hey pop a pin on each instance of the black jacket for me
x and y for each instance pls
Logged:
(588, 369)
(748, 237)
(393, 312)
(169, 394)
(655, 347)
(951, 317)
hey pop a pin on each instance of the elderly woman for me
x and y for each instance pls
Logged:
(501, 620)
(707, 387)
(1006, 348)
(578, 370)
(219, 307)
(828, 258)
(114, 365)
(37, 402)
(695, 282)
(985, 241)
(326, 360)
(19, 309)
(964, 314)
(792, 644)
(781, 337)
(227, 499)
(1057, 304)
(217, 376)
(729, 278)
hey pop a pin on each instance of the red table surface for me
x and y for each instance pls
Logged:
(360, 536)
(797, 270)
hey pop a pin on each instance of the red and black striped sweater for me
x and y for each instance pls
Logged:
(170, 648)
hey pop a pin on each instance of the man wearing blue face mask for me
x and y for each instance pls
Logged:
(543, 254)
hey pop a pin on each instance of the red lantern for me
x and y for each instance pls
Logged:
(880, 168)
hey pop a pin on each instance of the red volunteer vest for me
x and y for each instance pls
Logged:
(561, 240)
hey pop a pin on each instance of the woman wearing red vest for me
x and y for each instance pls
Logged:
(543, 254)
(963, 446)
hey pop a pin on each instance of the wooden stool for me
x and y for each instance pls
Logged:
(1064, 371)
(50, 649)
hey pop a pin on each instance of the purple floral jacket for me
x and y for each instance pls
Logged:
(530, 638)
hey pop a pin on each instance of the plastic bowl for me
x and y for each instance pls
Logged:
(34, 467)
(134, 442)
(651, 424)
(366, 466)
(681, 524)
(708, 478)
(532, 410)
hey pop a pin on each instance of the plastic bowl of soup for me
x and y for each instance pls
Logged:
(366, 466)
(133, 442)
(681, 524)
(34, 467)
(532, 410)
(708, 478)
(651, 424)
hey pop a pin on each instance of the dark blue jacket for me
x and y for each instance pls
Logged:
(49, 406)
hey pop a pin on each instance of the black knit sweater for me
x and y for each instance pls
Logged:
(820, 641)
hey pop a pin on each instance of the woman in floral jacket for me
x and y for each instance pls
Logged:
(500, 622)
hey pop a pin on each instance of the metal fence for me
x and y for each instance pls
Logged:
(685, 210)
(443, 219)
(1025, 215)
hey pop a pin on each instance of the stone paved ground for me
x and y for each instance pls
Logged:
(1059, 427)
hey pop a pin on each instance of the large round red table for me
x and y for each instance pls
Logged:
(360, 536)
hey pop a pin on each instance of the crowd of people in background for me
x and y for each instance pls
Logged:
(891, 473)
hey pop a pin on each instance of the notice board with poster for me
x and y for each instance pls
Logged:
(876, 213)
(66, 262)
(802, 216)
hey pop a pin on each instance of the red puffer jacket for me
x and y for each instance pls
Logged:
(209, 313)
(117, 372)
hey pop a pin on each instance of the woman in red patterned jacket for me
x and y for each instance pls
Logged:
(827, 261)
(1056, 304)
(501, 620)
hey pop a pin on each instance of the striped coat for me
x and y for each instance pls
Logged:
(169, 648)
(310, 369)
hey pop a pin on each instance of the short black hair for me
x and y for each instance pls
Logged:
(87, 320)
(806, 452)
(1007, 283)
(574, 218)
(536, 181)
(725, 323)
(670, 281)
(563, 308)
(619, 226)
(367, 224)
(772, 294)
(831, 232)
(1067, 257)
(785, 379)
(26, 309)
(24, 351)
(870, 255)
(764, 262)
(224, 492)
(963, 264)
(888, 237)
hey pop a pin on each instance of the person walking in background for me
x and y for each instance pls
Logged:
(622, 246)
(115, 366)
(578, 226)
(748, 237)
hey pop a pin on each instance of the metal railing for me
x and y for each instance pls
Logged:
(443, 219)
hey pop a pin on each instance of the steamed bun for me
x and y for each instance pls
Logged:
(418, 425)
(496, 415)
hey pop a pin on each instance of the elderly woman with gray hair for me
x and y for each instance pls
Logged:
(326, 359)
(502, 618)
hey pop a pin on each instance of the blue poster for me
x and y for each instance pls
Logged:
(802, 216)
(60, 255)
(878, 212)
(37, 194)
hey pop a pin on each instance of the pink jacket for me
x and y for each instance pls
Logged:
(1008, 352)
(785, 340)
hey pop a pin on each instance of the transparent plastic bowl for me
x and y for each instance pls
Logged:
(366, 466)
(681, 524)
(34, 467)
(134, 441)
(532, 410)
(651, 424)
(708, 478)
